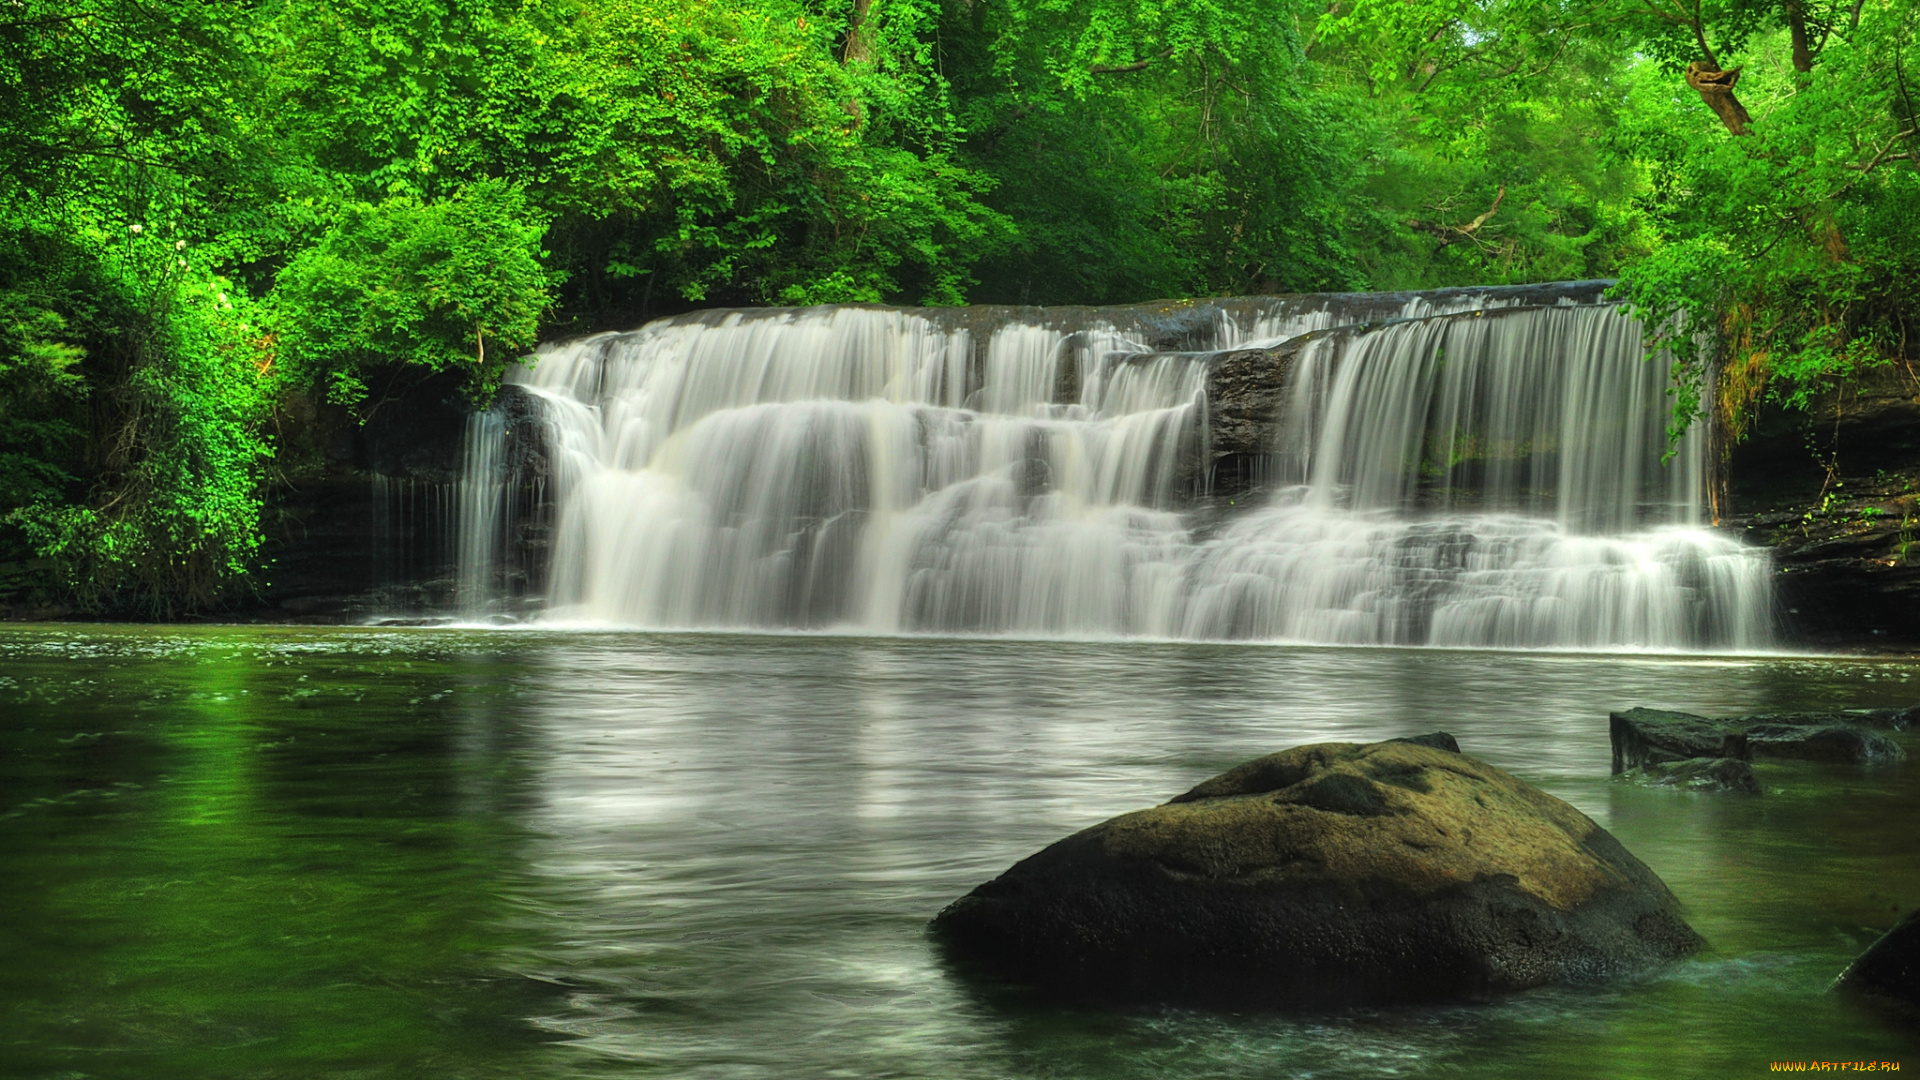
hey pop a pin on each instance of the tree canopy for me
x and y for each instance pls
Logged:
(208, 209)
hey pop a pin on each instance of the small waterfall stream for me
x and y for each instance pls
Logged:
(1467, 468)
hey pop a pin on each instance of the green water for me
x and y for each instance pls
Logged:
(368, 853)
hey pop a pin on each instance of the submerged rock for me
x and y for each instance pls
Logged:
(1891, 966)
(1653, 736)
(1322, 876)
(1699, 774)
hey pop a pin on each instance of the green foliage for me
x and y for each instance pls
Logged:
(1493, 164)
(450, 284)
(204, 207)
(1796, 246)
(722, 152)
(173, 520)
(1205, 167)
(1774, 234)
(38, 388)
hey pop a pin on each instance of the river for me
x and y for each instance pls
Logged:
(265, 852)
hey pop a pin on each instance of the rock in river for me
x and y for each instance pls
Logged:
(1323, 876)
(1891, 966)
(1653, 736)
(1643, 738)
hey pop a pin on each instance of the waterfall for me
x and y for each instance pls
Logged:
(1550, 409)
(1468, 468)
(483, 499)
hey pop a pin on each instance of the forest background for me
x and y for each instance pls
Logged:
(214, 215)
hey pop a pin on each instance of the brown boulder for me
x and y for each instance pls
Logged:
(1327, 875)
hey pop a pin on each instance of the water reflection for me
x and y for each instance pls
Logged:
(249, 852)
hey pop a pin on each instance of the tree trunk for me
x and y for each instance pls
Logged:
(859, 48)
(1797, 27)
(1716, 89)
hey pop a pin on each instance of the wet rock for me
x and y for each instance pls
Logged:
(1644, 737)
(1246, 397)
(1324, 876)
(1850, 745)
(1699, 774)
(1891, 966)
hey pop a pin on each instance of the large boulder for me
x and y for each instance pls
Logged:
(1327, 875)
(1891, 966)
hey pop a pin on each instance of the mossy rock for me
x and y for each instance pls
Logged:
(1643, 737)
(1325, 876)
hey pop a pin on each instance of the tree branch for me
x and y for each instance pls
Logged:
(1122, 69)
(1883, 154)
(46, 20)
(1700, 35)
(1900, 84)
(1474, 225)
(1716, 89)
(1453, 234)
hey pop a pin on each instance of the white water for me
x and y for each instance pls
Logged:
(482, 501)
(1474, 481)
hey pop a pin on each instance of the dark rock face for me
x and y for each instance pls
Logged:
(366, 528)
(373, 532)
(1851, 745)
(419, 434)
(1653, 736)
(1324, 876)
(1847, 568)
(1246, 391)
(1891, 966)
(1700, 774)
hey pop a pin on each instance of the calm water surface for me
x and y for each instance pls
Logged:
(452, 853)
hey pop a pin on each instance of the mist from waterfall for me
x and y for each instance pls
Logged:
(1460, 475)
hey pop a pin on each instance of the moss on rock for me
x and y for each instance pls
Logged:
(1327, 875)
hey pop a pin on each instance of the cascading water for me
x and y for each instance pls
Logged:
(1484, 470)
(482, 502)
